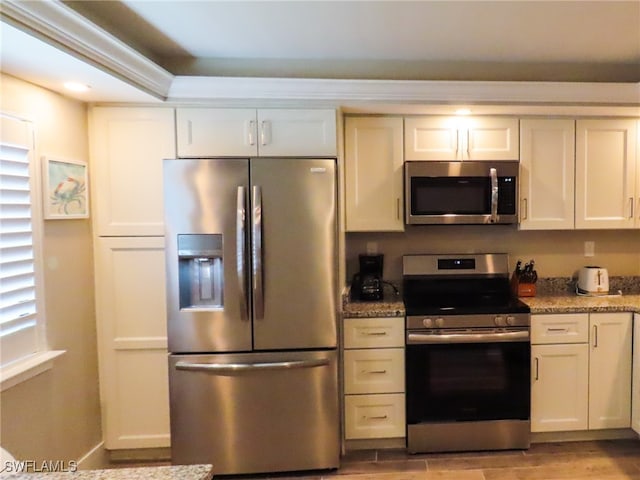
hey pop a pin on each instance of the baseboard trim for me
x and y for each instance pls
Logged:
(94, 459)
(584, 435)
(159, 454)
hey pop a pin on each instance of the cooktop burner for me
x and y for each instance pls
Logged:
(458, 285)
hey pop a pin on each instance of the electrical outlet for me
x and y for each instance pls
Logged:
(372, 248)
(589, 249)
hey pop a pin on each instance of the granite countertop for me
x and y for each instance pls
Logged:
(171, 472)
(583, 304)
(556, 299)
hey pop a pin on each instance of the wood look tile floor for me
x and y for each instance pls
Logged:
(601, 460)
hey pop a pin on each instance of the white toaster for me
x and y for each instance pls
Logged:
(593, 281)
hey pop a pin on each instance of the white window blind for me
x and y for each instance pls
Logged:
(18, 306)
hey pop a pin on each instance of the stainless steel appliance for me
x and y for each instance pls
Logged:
(469, 192)
(251, 288)
(468, 355)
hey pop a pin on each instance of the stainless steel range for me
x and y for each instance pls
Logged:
(468, 356)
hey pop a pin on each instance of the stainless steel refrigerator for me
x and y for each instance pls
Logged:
(251, 288)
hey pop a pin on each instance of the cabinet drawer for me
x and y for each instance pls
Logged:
(374, 371)
(374, 416)
(561, 328)
(374, 332)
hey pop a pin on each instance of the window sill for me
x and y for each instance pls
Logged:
(23, 370)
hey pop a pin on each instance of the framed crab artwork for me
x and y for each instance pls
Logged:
(66, 192)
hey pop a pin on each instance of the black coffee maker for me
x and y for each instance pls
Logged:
(367, 283)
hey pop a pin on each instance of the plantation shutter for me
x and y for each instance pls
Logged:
(18, 306)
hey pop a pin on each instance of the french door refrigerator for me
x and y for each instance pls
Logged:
(252, 332)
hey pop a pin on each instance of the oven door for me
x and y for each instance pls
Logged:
(461, 192)
(468, 378)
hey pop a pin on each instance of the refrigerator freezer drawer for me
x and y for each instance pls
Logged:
(255, 412)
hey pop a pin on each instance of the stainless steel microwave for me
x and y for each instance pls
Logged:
(468, 192)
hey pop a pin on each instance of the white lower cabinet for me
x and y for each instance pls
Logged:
(635, 395)
(610, 370)
(374, 378)
(132, 341)
(580, 375)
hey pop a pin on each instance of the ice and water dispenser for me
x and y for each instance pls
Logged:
(201, 274)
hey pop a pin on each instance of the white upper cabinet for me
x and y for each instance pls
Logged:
(461, 138)
(232, 132)
(127, 146)
(606, 173)
(373, 174)
(547, 159)
(221, 132)
(306, 133)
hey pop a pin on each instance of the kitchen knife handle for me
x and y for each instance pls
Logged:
(256, 253)
(241, 262)
(493, 173)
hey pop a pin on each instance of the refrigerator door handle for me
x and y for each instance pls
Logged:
(240, 250)
(256, 253)
(238, 368)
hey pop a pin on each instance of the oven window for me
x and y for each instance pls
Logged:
(450, 195)
(464, 382)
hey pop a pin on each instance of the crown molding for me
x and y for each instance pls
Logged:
(62, 27)
(200, 88)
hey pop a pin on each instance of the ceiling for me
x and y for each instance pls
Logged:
(423, 40)
(555, 41)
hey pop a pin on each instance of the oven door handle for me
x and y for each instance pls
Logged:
(427, 338)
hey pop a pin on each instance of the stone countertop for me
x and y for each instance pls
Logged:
(393, 306)
(583, 304)
(171, 472)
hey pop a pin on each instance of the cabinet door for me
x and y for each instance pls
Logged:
(373, 174)
(127, 147)
(610, 370)
(132, 342)
(461, 138)
(491, 138)
(547, 158)
(605, 173)
(635, 396)
(216, 132)
(559, 387)
(289, 133)
(432, 138)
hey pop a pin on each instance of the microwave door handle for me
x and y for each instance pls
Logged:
(493, 173)
(241, 263)
(256, 253)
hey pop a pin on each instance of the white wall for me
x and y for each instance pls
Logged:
(56, 415)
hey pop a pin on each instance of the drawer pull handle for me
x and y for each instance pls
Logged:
(564, 330)
(375, 334)
(378, 372)
(381, 417)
